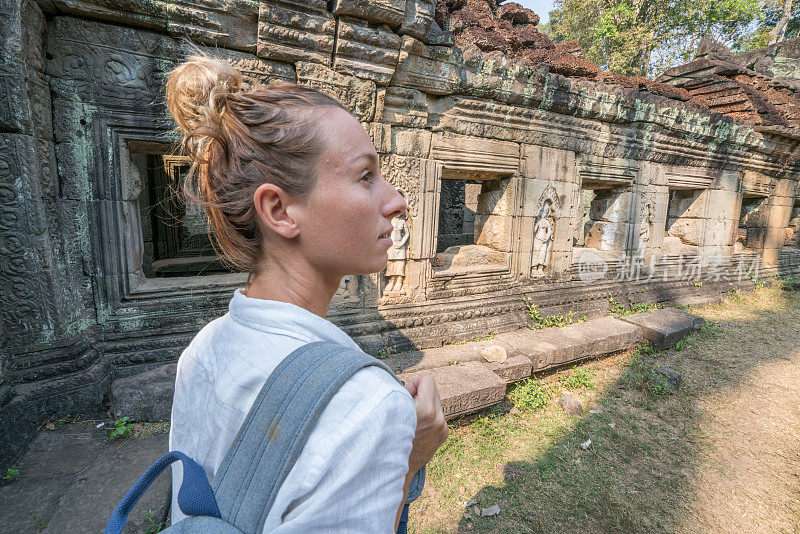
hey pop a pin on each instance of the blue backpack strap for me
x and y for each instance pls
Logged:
(277, 427)
(194, 496)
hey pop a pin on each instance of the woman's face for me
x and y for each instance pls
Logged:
(351, 207)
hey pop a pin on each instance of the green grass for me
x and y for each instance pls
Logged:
(530, 395)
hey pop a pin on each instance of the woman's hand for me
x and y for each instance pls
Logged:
(432, 428)
(431, 431)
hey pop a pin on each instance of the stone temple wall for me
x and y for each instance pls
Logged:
(555, 170)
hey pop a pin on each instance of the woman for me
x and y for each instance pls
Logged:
(292, 187)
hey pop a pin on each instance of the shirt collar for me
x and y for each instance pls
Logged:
(287, 319)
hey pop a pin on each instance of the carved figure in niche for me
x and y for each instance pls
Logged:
(395, 268)
(347, 289)
(542, 238)
(644, 229)
(718, 236)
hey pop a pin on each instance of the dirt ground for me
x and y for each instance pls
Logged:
(722, 454)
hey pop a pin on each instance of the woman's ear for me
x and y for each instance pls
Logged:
(276, 210)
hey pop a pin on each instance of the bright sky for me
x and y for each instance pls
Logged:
(540, 7)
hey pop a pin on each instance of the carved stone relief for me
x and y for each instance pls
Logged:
(430, 69)
(395, 268)
(295, 31)
(366, 50)
(356, 94)
(390, 12)
(403, 174)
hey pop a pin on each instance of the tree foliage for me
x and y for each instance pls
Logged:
(777, 20)
(645, 37)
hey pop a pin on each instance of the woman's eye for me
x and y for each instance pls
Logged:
(367, 176)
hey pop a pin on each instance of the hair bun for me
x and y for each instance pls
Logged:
(197, 90)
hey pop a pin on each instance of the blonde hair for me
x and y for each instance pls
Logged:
(239, 139)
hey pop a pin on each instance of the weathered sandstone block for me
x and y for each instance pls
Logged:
(145, 396)
(465, 388)
(405, 107)
(366, 50)
(431, 69)
(513, 369)
(390, 12)
(356, 94)
(418, 18)
(557, 346)
(665, 327)
(295, 31)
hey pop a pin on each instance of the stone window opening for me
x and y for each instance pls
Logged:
(602, 213)
(753, 223)
(683, 229)
(793, 230)
(175, 237)
(474, 231)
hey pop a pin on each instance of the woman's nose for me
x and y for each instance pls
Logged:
(395, 204)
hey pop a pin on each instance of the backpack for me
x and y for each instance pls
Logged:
(253, 469)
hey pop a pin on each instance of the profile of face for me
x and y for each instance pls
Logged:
(345, 221)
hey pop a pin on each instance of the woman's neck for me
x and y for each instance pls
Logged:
(297, 284)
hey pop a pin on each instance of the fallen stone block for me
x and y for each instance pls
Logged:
(570, 405)
(464, 388)
(145, 396)
(557, 346)
(513, 369)
(666, 326)
(420, 360)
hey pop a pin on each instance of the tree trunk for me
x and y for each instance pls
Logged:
(780, 28)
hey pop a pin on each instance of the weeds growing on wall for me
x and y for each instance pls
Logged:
(617, 308)
(540, 321)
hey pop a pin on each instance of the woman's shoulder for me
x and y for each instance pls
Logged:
(370, 404)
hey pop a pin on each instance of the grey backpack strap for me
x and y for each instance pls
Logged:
(277, 427)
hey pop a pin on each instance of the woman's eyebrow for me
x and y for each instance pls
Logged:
(371, 156)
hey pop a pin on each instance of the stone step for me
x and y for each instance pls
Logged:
(465, 388)
(145, 396)
(666, 326)
(544, 348)
(553, 347)
(468, 383)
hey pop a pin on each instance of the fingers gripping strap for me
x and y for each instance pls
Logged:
(277, 427)
(194, 496)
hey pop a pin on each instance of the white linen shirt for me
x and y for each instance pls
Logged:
(350, 475)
